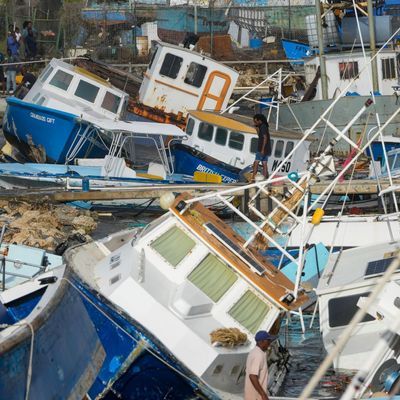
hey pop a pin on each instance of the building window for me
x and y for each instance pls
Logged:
(348, 70)
(221, 136)
(173, 245)
(171, 66)
(279, 148)
(250, 311)
(206, 131)
(289, 148)
(189, 126)
(61, 80)
(388, 68)
(213, 277)
(342, 310)
(111, 102)
(236, 140)
(195, 74)
(87, 91)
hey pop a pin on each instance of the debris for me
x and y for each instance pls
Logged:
(45, 225)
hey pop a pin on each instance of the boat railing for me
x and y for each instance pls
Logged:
(86, 132)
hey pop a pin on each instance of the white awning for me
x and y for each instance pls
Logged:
(135, 127)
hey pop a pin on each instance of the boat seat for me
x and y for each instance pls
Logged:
(189, 301)
(116, 167)
(158, 170)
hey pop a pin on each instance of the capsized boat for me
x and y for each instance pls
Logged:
(225, 144)
(38, 330)
(122, 357)
(209, 290)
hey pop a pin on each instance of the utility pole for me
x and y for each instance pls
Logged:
(324, 81)
(195, 16)
(372, 45)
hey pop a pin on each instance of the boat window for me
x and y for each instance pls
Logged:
(111, 102)
(206, 131)
(41, 101)
(272, 145)
(221, 136)
(342, 310)
(254, 145)
(348, 70)
(189, 126)
(153, 56)
(87, 91)
(61, 80)
(195, 74)
(279, 148)
(173, 245)
(46, 73)
(236, 140)
(289, 148)
(388, 68)
(171, 66)
(250, 311)
(213, 277)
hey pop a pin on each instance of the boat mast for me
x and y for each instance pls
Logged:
(324, 81)
(372, 45)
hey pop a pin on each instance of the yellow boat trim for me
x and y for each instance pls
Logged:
(199, 176)
(148, 176)
(95, 77)
(223, 122)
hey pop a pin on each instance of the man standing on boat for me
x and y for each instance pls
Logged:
(264, 145)
(255, 385)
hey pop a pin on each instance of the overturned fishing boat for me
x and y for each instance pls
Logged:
(206, 287)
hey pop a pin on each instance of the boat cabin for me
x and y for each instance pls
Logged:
(233, 139)
(350, 276)
(72, 89)
(178, 79)
(343, 67)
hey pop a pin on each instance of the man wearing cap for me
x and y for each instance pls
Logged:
(255, 386)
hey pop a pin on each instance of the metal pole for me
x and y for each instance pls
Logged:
(372, 45)
(324, 81)
(195, 16)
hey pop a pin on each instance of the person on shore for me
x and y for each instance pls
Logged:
(2, 77)
(264, 145)
(11, 72)
(12, 43)
(255, 385)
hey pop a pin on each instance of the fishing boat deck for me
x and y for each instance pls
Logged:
(272, 281)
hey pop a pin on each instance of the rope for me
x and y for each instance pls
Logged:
(153, 353)
(23, 322)
(228, 337)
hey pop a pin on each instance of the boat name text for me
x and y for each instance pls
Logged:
(225, 179)
(42, 118)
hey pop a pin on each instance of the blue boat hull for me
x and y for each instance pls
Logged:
(52, 129)
(137, 365)
(66, 354)
(188, 160)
